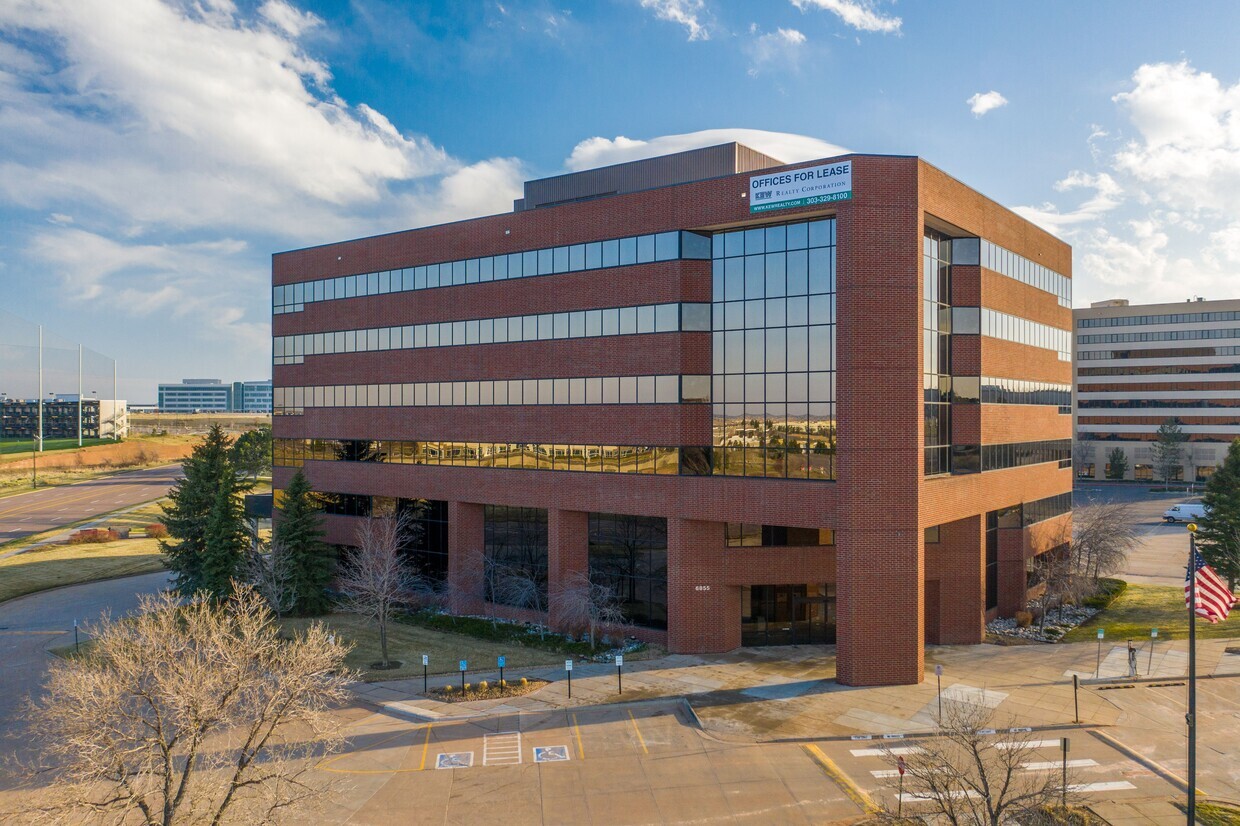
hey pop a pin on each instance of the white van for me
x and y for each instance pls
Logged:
(1184, 513)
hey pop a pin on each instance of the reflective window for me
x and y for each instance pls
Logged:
(628, 554)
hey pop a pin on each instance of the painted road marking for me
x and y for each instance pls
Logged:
(641, 740)
(426, 744)
(837, 776)
(550, 754)
(581, 752)
(1058, 764)
(501, 749)
(921, 798)
(885, 752)
(1030, 744)
(1113, 786)
(455, 760)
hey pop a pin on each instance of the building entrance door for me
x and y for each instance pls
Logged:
(788, 614)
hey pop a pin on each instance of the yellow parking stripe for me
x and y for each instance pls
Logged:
(854, 792)
(640, 739)
(425, 745)
(581, 752)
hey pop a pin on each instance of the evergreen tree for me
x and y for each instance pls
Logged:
(225, 542)
(299, 532)
(1169, 450)
(1218, 536)
(192, 502)
(1117, 464)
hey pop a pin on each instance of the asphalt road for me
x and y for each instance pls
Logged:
(1161, 552)
(31, 624)
(42, 510)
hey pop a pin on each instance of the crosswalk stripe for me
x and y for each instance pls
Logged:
(1030, 744)
(884, 752)
(1112, 786)
(1058, 764)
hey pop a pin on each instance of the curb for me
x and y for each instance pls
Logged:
(1137, 757)
(918, 735)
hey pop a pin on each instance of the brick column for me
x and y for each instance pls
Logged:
(880, 563)
(962, 581)
(568, 538)
(703, 614)
(465, 550)
(1012, 578)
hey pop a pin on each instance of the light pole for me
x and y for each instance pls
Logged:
(1191, 717)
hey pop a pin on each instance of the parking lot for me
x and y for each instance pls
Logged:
(634, 763)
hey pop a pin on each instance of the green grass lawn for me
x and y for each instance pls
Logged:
(59, 565)
(24, 445)
(1142, 607)
(408, 643)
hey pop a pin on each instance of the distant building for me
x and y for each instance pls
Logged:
(214, 396)
(101, 418)
(1138, 366)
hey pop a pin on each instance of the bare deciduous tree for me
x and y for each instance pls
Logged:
(273, 576)
(376, 578)
(584, 605)
(521, 587)
(194, 713)
(1102, 536)
(966, 777)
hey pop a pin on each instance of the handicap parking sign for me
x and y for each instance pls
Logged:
(550, 754)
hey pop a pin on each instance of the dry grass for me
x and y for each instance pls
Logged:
(408, 643)
(58, 565)
(1142, 607)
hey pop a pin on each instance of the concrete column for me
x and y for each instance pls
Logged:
(703, 614)
(568, 539)
(465, 551)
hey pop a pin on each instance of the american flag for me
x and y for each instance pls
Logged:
(1214, 601)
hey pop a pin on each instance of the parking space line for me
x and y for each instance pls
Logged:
(426, 744)
(641, 740)
(581, 752)
(837, 776)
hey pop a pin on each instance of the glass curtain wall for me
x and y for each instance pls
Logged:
(773, 376)
(515, 555)
(629, 555)
(936, 350)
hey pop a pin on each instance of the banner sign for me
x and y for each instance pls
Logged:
(801, 187)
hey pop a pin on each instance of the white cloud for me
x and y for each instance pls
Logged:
(983, 102)
(1161, 220)
(479, 189)
(859, 14)
(781, 47)
(784, 146)
(687, 13)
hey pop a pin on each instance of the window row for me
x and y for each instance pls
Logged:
(1171, 352)
(794, 458)
(1018, 454)
(743, 535)
(614, 321)
(774, 312)
(1023, 391)
(779, 238)
(1159, 386)
(584, 390)
(1162, 335)
(1165, 318)
(1024, 331)
(790, 349)
(1006, 262)
(1042, 509)
(1141, 404)
(617, 252)
(1158, 370)
(774, 388)
(775, 275)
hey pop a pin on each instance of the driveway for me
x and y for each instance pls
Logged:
(1162, 552)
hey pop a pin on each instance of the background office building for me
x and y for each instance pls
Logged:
(100, 418)
(214, 396)
(1138, 366)
(766, 403)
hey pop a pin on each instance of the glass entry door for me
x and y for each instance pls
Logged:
(788, 614)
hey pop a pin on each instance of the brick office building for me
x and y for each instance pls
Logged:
(768, 403)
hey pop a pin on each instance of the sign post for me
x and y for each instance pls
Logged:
(938, 677)
(501, 672)
(1064, 800)
(464, 667)
(1098, 669)
(619, 667)
(900, 795)
(426, 660)
(568, 667)
(1153, 639)
(1076, 700)
(75, 636)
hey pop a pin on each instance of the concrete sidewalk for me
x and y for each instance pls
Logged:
(790, 692)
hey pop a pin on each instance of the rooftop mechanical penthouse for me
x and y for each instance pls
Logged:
(811, 403)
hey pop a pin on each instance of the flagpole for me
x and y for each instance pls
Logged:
(1191, 717)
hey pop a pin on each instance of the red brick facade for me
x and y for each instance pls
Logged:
(893, 592)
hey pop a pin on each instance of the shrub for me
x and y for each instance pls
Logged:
(93, 536)
(1024, 619)
(503, 684)
(156, 530)
(483, 685)
(524, 682)
(1108, 591)
(448, 689)
(468, 687)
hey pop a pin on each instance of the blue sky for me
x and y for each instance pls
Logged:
(154, 154)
